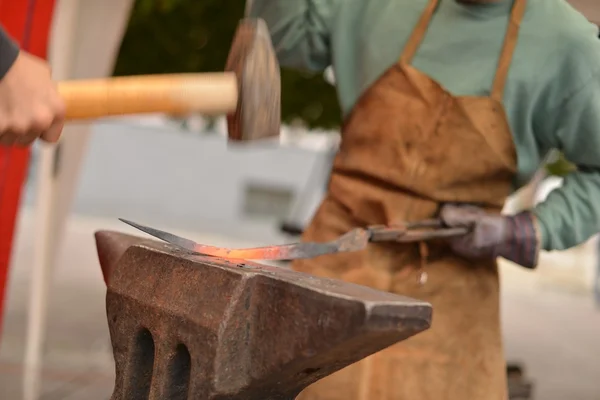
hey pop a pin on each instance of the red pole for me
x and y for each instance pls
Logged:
(28, 22)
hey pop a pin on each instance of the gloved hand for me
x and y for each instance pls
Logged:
(512, 237)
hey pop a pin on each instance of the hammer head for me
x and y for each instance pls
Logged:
(252, 58)
(188, 326)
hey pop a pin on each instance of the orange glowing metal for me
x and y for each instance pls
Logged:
(355, 240)
(244, 254)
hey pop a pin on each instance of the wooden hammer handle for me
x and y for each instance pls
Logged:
(178, 94)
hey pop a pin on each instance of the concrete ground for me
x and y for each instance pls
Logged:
(555, 333)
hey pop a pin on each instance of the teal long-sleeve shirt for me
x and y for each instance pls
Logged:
(552, 95)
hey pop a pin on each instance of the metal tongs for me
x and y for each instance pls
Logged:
(355, 240)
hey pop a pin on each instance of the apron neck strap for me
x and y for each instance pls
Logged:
(418, 33)
(510, 42)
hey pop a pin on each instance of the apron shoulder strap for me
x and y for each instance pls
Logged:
(510, 42)
(418, 33)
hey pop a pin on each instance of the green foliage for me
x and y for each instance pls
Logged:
(170, 36)
(560, 167)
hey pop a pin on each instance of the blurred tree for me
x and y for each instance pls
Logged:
(170, 36)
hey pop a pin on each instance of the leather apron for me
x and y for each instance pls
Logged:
(408, 146)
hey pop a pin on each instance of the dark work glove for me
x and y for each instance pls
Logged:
(8, 52)
(514, 238)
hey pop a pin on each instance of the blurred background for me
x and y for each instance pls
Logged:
(179, 174)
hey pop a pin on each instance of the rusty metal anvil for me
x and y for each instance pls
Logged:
(185, 326)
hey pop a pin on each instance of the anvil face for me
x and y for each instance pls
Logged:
(193, 327)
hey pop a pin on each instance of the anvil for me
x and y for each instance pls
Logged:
(187, 326)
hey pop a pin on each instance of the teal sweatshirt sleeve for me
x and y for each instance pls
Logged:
(300, 30)
(570, 215)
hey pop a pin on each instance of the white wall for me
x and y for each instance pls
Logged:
(182, 179)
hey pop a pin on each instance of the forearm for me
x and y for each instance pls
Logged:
(570, 122)
(8, 52)
(299, 30)
(570, 215)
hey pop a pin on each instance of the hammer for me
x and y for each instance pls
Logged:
(249, 92)
(185, 326)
